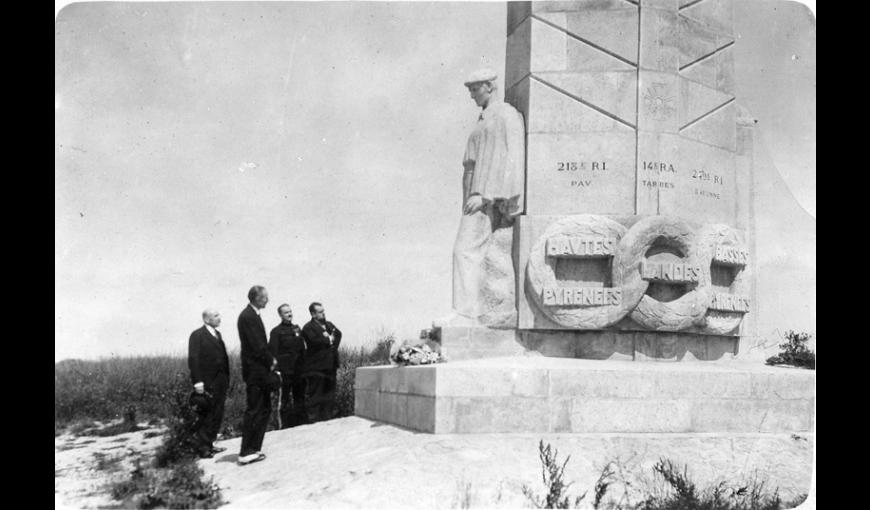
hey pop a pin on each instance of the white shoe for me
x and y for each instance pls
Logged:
(254, 457)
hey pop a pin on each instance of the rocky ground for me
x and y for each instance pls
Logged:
(85, 465)
(356, 463)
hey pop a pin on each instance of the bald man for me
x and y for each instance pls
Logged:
(210, 373)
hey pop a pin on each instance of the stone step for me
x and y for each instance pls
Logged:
(540, 394)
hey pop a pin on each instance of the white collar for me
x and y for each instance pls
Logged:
(256, 310)
(494, 105)
(211, 330)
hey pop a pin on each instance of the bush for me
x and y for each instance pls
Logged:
(684, 494)
(180, 486)
(174, 481)
(552, 475)
(794, 351)
(679, 492)
(179, 443)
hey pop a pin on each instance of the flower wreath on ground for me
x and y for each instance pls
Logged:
(407, 353)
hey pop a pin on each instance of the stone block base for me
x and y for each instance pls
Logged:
(466, 343)
(462, 343)
(629, 345)
(557, 395)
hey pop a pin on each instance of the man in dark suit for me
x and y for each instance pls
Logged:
(288, 347)
(257, 362)
(321, 363)
(210, 373)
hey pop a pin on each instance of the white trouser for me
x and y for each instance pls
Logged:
(472, 239)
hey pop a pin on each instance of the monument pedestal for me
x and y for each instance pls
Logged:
(466, 343)
(538, 394)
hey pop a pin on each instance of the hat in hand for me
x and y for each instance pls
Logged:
(200, 402)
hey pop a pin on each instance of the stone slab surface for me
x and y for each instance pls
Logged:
(542, 394)
(356, 463)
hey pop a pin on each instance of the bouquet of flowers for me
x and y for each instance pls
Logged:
(415, 355)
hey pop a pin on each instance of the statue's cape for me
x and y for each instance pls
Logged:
(496, 148)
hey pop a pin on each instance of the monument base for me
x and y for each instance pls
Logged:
(557, 395)
(464, 343)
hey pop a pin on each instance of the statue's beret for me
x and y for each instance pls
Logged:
(481, 75)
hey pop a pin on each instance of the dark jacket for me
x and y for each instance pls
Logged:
(206, 357)
(320, 356)
(288, 347)
(256, 358)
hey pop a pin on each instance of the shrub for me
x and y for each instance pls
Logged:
(174, 481)
(552, 475)
(794, 351)
(684, 494)
(178, 443)
(679, 492)
(180, 486)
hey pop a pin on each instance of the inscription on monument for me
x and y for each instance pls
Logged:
(670, 272)
(657, 184)
(581, 166)
(661, 168)
(581, 296)
(576, 247)
(705, 177)
(730, 255)
(574, 166)
(729, 303)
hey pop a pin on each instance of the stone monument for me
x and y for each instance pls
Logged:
(615, 300)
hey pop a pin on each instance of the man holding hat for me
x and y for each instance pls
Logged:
(210, 374)
(492, 191)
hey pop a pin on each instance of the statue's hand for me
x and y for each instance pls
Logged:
(473, 204)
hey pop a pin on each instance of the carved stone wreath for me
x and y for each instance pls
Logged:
(687, 310)
(540, 273)
(720, 322)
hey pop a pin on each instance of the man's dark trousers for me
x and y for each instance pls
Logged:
(293, 402)
(256, 364)
(209, 424)
(259, 408)
(320, 395)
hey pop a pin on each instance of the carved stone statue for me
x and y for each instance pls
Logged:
(492, 189)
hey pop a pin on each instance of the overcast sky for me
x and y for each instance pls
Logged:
(201, 148)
